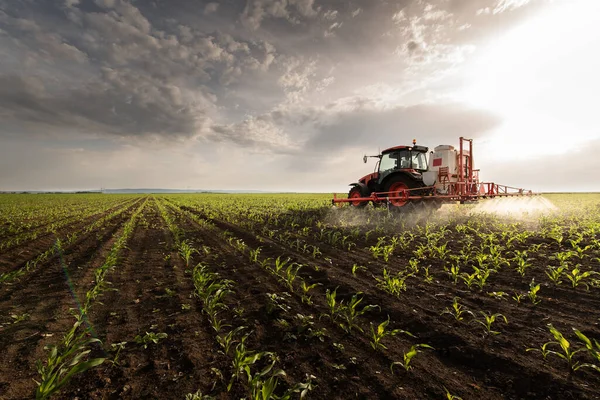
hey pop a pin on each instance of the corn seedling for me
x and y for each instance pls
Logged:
(518, 297)
(408, 356)
(377, 334)
(450, 396)
(253, 254)
(532, 293)
(280, 264)
(356, 268)
(577, 277)
(149, 338)
(351, 312)
(198, 396)
(567, 352)
(593, 349)
(393, 284)
(555, 273)
(488, 320)
(65, 361)
(457, 310)
(186, 251)
(543, 349)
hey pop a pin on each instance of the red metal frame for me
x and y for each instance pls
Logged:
(466, 189)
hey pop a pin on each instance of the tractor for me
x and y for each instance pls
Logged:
(404, 178)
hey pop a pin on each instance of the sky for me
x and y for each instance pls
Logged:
(288, 95)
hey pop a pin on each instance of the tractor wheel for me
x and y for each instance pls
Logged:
(397, 188)
(356, 193)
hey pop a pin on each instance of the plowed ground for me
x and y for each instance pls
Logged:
(153, 292)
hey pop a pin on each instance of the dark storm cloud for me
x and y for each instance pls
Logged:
(132, 79)
(222, 71)
(361, 124)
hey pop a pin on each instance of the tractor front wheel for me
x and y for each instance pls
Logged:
(398, 187)
(356, 193)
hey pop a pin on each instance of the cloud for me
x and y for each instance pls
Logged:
(257, 10)
(134, 79)
(210, 8)
(360, 122)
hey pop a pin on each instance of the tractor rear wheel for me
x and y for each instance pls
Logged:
(356, 193)
(398, 187)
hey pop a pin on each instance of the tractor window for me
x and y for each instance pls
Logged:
(419, 161)
(388, 162)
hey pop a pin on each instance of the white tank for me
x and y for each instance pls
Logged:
(443, 156)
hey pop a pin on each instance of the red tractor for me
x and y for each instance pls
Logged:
(399, 168)
(403, 177)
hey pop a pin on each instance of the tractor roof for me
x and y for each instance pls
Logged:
(415, 148)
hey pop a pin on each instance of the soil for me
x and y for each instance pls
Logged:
(154, 292)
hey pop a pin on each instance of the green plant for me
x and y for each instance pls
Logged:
(450, 396)
(555, 274)
(198, 396)
(186, 251)
(377, 334)
(356, 268)
(393, 284)
(149, 337)
(518, 296)
(577, 277)
(457, 310)
(532, 293)
(253, 254)
(408, 356)
(567, 352)
(351, 312)
(488, 320)
(226, 341)
(543, 349)
(65, 360)
(19, 318)
(117, 348)
(593, 349)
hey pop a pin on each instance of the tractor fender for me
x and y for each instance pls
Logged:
(406, 175)
(364, 189)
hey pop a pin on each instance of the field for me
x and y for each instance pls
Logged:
(277, 296)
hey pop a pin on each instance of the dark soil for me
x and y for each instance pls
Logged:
(154, 292)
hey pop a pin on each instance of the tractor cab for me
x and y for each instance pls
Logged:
(398, 168)
(412, 160)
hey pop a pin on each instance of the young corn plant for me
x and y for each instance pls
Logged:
(521, 261)
(351, 312)
(393, 284)
(532, 293)
(280, 264)
(579, 278)
(66, 360)
(567, 353)
(518, 297)
(226, 341)
(457, 310)
(356, 268)
(150, 338)
(186, 252)
(408, 356)
(291, 273)
(543, 349)
(555, 273)
(488, 320)
(253, 254)
(305, 289)
(377, 334)
(593, 349)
